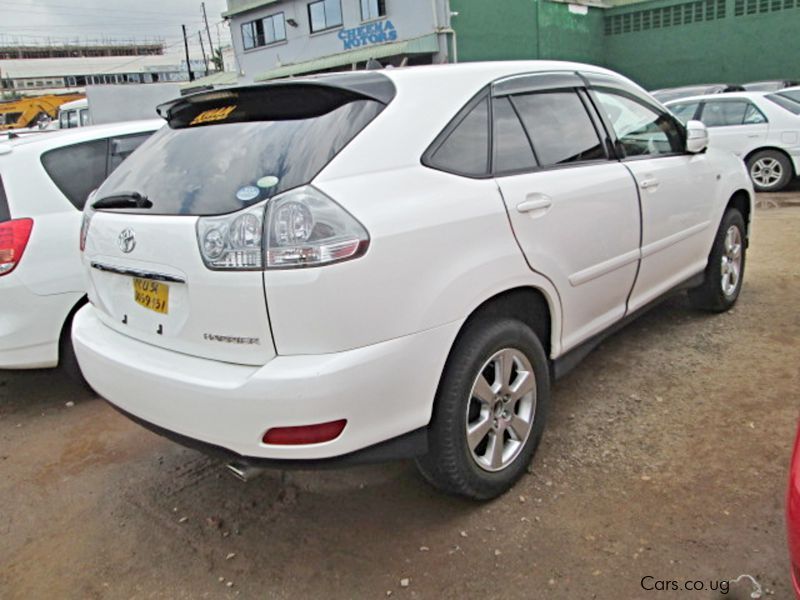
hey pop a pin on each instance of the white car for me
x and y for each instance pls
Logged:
(763, 129)
(369, 265)
(44, 181)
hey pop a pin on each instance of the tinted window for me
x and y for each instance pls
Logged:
(642, 130)
(202, 170)
(790, 94)
(753, 116)
(559, 127)
(78, 169)
(685, 112)
(5, 213)
(786, 101)
(120, 148)
(731, 112)
(512, 150)
(466, 149)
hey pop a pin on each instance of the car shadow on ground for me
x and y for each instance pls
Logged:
(35, 390)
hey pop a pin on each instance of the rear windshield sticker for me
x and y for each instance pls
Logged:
(248, 193)
(267, 182)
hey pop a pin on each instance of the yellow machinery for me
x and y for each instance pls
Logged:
(27, 111)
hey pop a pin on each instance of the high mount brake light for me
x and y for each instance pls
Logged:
(14, 236)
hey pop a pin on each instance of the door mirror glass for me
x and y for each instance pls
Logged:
(696, 137)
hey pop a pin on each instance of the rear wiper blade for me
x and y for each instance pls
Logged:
(123, 200)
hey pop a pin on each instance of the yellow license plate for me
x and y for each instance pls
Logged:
(153, 295)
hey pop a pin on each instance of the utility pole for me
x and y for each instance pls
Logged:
(203, 50)
(186, 47)
(208, 32)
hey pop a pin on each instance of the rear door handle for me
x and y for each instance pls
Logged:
(534, 202)
(649, 183)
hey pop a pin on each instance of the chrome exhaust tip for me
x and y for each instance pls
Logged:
(243, 471)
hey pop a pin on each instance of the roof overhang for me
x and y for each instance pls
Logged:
(428, 44)
(237, 7)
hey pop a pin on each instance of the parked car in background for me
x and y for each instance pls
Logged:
(762, 129)
(769, 86)
(667, 94)
(289, 273)
(73, 114)
(793, 516)
(44, 181)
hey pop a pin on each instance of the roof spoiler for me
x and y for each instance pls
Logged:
(277, 101)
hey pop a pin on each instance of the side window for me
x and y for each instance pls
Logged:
(685, 112)
(559, 127)
(642, 130)
(72, 119)
(724, 113)
(120, 148)
(466, 149)
(78, 169)
(753, 116)
(63, 123)
(84, 117)
(512, 150)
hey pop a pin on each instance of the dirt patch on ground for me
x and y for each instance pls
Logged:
(665, 458)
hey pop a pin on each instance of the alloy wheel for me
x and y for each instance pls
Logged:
(501, 409)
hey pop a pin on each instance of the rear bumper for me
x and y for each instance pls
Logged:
(384, 391)
(30, 325)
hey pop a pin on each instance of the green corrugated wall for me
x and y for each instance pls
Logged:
(658, 43)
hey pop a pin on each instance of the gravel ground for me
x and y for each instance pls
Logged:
(665, 458)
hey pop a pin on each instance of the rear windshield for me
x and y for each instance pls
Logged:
(5, 213)
(784, 102)
(225, 164)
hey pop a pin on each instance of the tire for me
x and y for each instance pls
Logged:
(725, 269)
(770, 170)
(474, 470)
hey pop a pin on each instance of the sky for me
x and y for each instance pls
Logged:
(37, 21)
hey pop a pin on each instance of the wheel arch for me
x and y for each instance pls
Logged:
(743, 202)
(531, 305)
(66, 327)
(774, 149)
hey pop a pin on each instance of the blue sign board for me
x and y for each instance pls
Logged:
(378, 32)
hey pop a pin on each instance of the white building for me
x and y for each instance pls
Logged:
(34, 76)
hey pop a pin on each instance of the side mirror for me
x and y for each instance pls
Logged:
(696, 137)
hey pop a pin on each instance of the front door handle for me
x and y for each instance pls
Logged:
(534, 202)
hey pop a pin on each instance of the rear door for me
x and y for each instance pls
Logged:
(736, 125)
(574, 211)
(677, 190)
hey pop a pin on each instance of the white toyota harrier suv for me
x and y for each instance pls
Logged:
(361, 266)
(44, 181)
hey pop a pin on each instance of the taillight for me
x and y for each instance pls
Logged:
(301, 228)
(87, 220)
(14, 236)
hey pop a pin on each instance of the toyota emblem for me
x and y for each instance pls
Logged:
(127, 240)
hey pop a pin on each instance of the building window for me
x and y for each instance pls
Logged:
(372, 9)
(263, 31)
(324, 14)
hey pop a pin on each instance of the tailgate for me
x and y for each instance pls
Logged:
(148, 281)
